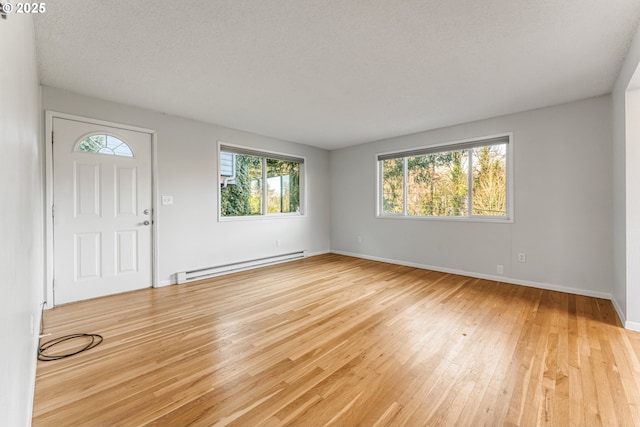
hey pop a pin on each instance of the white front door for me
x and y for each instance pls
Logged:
(102, 210)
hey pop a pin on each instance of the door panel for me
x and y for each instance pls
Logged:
(102, 204)
(87, 189)
(88, 255)
(126, 191)
(127, 254)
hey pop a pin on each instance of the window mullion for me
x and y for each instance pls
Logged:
(405, 186)
(380, 187)
(264, 185)
(470, 183)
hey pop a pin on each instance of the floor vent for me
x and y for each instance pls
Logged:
(205, 273)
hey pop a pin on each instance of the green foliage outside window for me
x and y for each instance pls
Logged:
(489, 181)
(283, 186)
(393, 186)
(438, 183)
(105, 144)
(243, 194)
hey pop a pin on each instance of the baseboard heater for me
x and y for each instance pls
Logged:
(205, 273)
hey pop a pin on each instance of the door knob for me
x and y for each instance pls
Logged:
(146, 223)
(146, 211)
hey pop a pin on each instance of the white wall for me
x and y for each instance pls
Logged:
(632, 158)
(21, 220)
(190, 235)
(626, 191)
(562, 182)
(619, 278)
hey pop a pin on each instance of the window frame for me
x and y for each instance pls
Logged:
(439, 148)
(79, 142)
(264, 155)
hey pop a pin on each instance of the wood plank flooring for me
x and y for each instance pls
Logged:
(334, 340)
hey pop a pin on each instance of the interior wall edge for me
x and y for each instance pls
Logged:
(619, 311)
(35, 345)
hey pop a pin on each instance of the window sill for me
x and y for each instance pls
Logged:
(493, 220)
(259, 217)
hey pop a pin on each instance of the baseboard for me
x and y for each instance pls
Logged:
(35, 344)
(632, 326)
(307, 254)
(621, 316)
(316, 253)
(167, 282)
(504, 279)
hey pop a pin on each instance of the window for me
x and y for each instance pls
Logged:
(462, 180)
(105, 144)
(255, 183)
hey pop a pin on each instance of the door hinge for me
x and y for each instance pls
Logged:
(52, 137)
(53, 211)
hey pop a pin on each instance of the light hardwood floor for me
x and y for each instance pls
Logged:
(333, 340)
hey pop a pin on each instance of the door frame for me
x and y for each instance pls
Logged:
(48, 178)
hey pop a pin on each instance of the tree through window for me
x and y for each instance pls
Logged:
(459, 180)
(254, 183)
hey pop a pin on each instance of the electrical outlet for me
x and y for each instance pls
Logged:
(500, 269)
(522, 257)
(277, 242)
(359, 239)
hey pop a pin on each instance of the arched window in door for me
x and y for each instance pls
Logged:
(104, 144)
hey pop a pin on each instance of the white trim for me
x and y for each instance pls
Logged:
(619, 310)
(405, 187)
(48, 181)
(164, 283)
(259, 217)
(265, 215)
(49, 116)
(628, 324)
(98, 122)
(316, 253)
(632, 326)
(503, 279)
(155, 212)
(510, 179)
(492, 219)
(376, 189)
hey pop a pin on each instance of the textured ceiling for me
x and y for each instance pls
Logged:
(335, 73)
